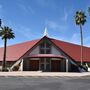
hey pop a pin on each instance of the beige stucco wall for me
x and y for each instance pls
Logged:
(35, 50)
(54, 50)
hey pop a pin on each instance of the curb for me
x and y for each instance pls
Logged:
(44, 74)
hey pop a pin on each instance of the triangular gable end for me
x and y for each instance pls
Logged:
(45, 39)
(35, 49)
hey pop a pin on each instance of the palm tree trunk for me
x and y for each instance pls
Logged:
(4, 56)
(81, 44)
(0, 22)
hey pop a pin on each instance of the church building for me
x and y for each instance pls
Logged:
(47, 55)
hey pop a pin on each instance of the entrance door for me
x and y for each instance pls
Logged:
(55, 66)
(45, 64)
(34, 65)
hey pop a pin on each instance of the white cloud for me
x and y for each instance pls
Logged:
(75, 38)
(26, 9)
(26, 32)
(87, 41)
(22, 30)
(1, 42)
(0, 6)
(53, 24)
(31, 10)
(65, 16)
(47, 3)
(57, 26)
(1, 9)
(1, 45)
(42, 3)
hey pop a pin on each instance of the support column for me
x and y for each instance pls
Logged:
(66, 65)
(21, 65)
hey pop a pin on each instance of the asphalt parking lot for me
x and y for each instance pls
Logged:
(45, 83)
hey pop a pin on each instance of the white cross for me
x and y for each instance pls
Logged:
(45, 32)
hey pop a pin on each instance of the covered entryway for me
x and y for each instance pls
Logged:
(34, 65)
(44, 62)
(55, 66)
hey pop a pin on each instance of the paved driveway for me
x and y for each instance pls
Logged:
(44, 83)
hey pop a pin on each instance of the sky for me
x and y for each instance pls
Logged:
(28, 19)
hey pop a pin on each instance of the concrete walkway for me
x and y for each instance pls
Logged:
(26, 73)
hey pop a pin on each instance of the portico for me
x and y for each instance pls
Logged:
(45, 63)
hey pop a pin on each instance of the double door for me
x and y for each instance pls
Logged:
(55, 66)
(45, 64)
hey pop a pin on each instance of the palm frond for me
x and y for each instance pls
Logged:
(80, 17)
(7, 33)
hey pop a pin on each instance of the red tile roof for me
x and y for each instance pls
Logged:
(73, 50)
(14, 52)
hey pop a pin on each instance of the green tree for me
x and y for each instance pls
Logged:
(80, 20)
(5, 33)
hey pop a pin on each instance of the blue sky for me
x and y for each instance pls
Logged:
(28, 18)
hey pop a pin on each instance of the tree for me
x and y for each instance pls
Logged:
(5, 33)
(0, 22)
(89, 11)
(80, 20)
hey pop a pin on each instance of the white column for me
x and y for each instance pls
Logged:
(66, 65)
(21, 65)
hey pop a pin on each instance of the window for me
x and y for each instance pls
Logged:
(42, 67)
(42, 60)
(45, 64)
(45, 48)
(41, 51)
(42, 45)
(48, 51)
(48, 45)
(47, 60)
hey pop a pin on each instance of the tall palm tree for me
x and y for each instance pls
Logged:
(5, 33)
(0, 22)
(80, 20)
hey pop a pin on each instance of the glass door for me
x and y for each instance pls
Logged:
(45, 64)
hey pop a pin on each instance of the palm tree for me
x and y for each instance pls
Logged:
(80, 20)
(0, 22)
(5, 33)
(89, 10)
